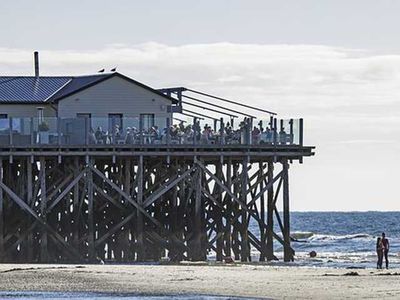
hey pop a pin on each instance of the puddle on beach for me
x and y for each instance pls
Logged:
(106, 296)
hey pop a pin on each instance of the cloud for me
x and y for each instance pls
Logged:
(349, 98)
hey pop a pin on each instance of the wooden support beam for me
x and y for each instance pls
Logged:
(21, 203)
(270, 215)
(44, 256)
(197, 217)
(244, 245)
(91, 224)
(165, 188)
(29, 200)
(288, 252)
(139, 216)
(67, 189)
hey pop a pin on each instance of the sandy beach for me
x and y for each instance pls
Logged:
(247, 280)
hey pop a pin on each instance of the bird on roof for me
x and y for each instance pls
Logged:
(113, 69)
(101, 71)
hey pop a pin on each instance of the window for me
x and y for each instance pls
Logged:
(147, 121)
(113, 121)
(40, 115)
(87, 117)
(4, 123)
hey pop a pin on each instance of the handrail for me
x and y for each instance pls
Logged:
(232, 102)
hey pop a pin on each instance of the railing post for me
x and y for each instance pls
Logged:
(58, 130)
(141, 137)
(221, 132)
(168, 140)
(291, 131)
(10, 125)
(301, 132)
(195, 129)
(86, 131)
(250, 130)
(31, 132)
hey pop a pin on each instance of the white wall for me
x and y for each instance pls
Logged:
(119, 96)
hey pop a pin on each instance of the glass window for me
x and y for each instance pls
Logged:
(4, 123)
(147, 121)
(115, 123)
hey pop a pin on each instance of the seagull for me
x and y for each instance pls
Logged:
(113, 69)
(101, 71)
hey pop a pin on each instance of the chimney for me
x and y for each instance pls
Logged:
(36, 59)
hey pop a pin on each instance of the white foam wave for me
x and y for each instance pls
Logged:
(340, 237)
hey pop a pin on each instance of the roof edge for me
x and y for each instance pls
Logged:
(111, 75)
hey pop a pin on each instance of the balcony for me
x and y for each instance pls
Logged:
(28, 132)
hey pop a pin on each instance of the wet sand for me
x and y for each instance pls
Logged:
(247, 280)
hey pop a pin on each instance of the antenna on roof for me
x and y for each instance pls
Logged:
(36, 63)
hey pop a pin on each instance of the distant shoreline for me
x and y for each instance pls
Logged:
(246, 280)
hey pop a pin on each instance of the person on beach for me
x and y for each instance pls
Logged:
(379, 252)
(385, 247)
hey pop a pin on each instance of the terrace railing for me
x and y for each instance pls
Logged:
(159, 131)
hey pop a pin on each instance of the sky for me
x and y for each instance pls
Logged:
(334, 63)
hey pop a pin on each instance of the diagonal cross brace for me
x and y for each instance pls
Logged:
(162, 190)
(21, 203)
(66, 191)
(242, 205)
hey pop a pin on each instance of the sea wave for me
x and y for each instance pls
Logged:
(321, 237)
(301, 235)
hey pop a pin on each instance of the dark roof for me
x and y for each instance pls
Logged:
(45, 89)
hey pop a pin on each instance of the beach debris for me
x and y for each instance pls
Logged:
(313, 254)
(353, 273)
(388, 274)
(228, 260)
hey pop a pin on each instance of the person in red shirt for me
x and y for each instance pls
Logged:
(385, 246)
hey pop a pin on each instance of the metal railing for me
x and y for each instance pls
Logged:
(158, 131)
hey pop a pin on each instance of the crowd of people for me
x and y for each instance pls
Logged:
(192, 134)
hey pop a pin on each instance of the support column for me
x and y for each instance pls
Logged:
(228, 211)
(76, 213)
(244, 245)
(287, 250)
(270, 214)
(29, 199)
(139, 224)
(89, 176)
(197, 230)
(218, 214)
(43, 210)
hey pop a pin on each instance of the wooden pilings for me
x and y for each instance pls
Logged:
(140, 208)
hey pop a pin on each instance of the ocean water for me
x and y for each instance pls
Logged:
(105, 296)
(343, 239)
